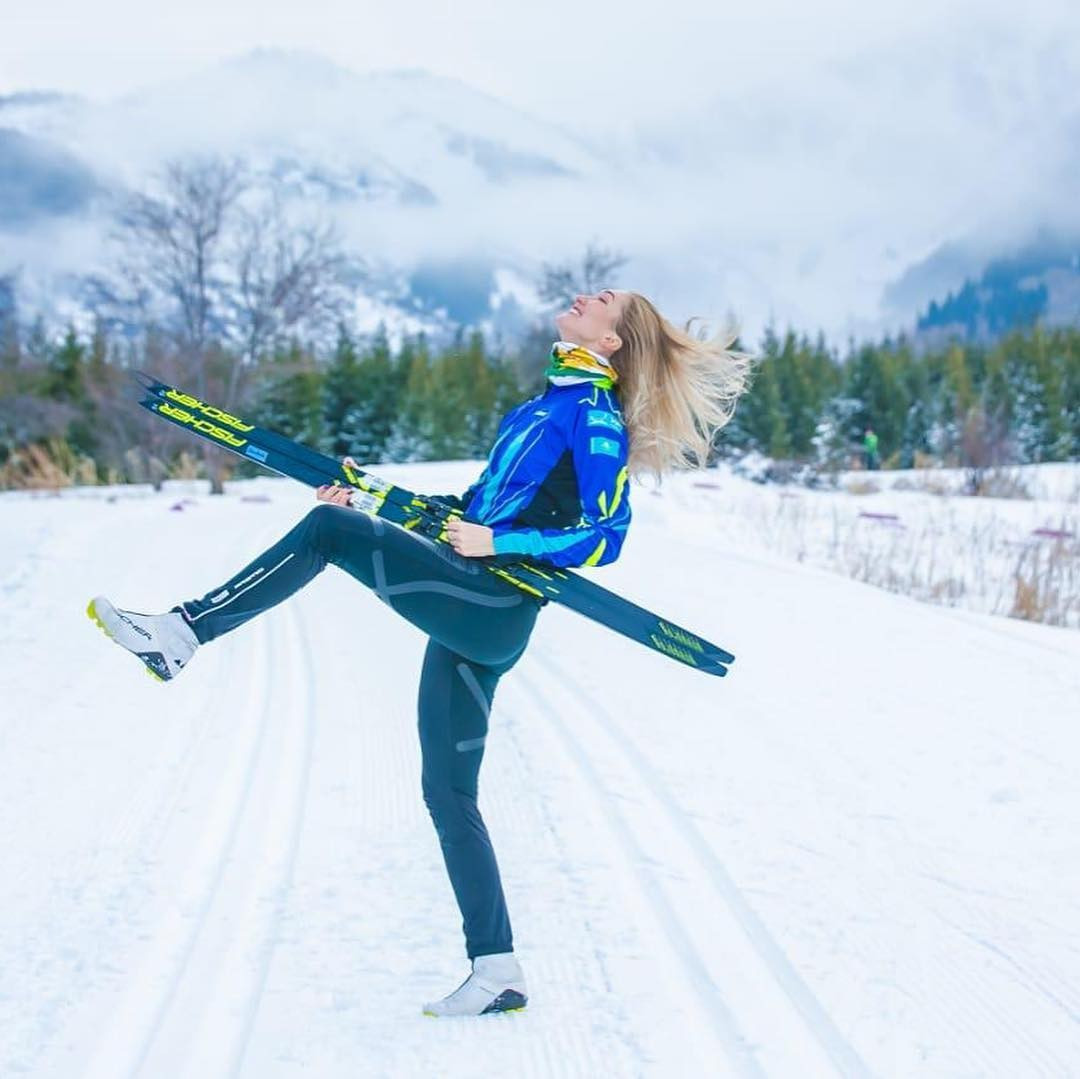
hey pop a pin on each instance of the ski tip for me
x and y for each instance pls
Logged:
(147, 380)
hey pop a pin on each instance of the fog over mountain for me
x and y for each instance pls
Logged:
(901, 171)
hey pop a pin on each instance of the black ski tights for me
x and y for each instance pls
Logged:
(478, 627)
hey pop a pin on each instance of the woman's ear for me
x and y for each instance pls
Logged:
(612, 342)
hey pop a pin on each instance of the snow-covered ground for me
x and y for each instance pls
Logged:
(913, 532)
(858, 854)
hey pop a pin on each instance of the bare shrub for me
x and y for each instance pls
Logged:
(47, 466)
(186, 467)
(947, 590)
(937, 487)
(956, 552)
(1046, 581)
(1026, 601)
(930, 485)
(223, 272)
(1002, 483)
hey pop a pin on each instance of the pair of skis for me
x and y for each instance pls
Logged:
(428, 517)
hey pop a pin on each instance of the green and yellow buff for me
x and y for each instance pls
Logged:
(572, 363)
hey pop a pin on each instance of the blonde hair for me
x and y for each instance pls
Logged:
(677, 387)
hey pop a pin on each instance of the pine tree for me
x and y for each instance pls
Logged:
(63, 377)
(872, 378)
(836, 437)
(761, 420)
(1040, 428)
(9, 324)
(1069, 346)
(362, 396)
(383, 376)
(411, 437)
(482, 414)
(915, 438)
(795, 394)
(291, 401)
(459, 378)
(342, 397)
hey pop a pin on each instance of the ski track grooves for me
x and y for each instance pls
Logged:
(143, 1012)
(308, 706)
(728, 1033)
(190, 1010)
(843, 1056)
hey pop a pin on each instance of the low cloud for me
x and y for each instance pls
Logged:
(793, 177)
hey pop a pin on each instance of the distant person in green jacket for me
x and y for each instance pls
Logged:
(870, 449)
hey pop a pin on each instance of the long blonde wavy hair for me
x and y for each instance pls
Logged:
(677, 387)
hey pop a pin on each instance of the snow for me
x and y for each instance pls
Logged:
(857, 854)
(1056, 481)
(910, 531)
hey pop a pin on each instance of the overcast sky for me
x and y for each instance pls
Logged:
(827, 144)
(600, 61)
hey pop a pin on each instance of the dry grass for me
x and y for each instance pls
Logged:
(1046, 582)
(957, 552)
(54, 465)
(187, 467)
(928, 485)
(49, 466)
(1002, 483)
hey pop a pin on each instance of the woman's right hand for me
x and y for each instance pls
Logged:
(334, 493)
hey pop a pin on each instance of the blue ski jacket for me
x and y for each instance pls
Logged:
(555, 486)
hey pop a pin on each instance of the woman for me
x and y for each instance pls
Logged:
(628, 393)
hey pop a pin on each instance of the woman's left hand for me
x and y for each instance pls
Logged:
(334, 493)
(470, 540)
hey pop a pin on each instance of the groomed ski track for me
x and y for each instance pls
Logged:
(800, 870)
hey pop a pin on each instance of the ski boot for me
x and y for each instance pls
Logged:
(496, 984)
(164, 642)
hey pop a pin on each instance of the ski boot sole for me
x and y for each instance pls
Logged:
(508, 1002)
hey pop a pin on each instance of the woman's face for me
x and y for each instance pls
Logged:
(591, 320)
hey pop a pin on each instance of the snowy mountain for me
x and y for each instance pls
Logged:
(804, 209)
(409, 137)
(394, 157)
(979, 297)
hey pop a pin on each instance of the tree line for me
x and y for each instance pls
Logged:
(210, 281)
(67, 407)
(1016, 401)
(66, 403)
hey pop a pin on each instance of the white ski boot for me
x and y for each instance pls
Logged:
(495, 985)
(164, 642)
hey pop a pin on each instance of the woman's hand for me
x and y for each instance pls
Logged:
(472, 541)
(334, 493)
